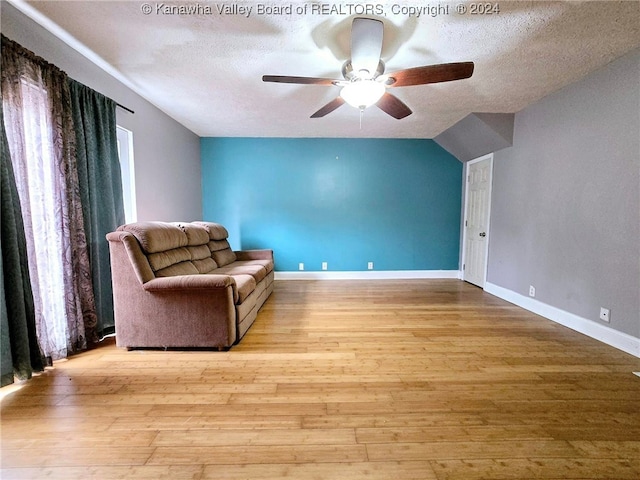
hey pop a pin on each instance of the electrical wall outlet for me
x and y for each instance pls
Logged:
(301, 266)
(324, 265)
(532, 291)
(605, 314)
(370, 266)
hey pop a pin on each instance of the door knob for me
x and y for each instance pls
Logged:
(483, 234)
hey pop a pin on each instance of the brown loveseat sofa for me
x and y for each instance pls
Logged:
(180, 285)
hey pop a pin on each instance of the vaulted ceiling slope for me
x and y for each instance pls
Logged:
(203, 65)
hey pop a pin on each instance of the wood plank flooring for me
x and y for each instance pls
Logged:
(422, 380)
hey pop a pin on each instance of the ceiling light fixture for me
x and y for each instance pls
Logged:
(362, 93)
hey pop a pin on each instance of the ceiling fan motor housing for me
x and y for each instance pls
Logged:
(350, 74)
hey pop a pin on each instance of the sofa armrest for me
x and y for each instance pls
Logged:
(138, 260)
(254, 254)
(182, 311)
(189, 282)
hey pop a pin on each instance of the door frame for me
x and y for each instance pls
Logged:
(466, 209)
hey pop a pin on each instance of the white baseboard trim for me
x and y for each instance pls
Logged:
(368, 275)
(620, 340)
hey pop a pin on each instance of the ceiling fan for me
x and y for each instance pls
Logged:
(365, 82)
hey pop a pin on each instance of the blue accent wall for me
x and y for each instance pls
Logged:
(347, 202)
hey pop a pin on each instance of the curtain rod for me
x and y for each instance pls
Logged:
(125, 108)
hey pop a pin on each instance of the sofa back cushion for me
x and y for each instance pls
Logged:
(201, 259)
(173, 248)
(218, 245)
(157, 237)
(221, 252)
(169, 258)
(198, 238)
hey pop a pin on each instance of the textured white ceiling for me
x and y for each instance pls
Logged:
(205, 68)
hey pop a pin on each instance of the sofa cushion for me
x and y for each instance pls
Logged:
(218, 245)
(182, 268)
(215, 230)
(201, 258)
(267, 264)
(165, 259)
(245, 285)
(258, 272)
(196, 234)
(199, 252)
(221, 252)
(206, 265)
(157, 236)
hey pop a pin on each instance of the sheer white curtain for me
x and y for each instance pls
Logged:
(40, 195)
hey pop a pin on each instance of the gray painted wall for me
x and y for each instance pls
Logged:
(566, 199)
(167, 155)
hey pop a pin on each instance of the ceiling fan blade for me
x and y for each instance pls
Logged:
(444, 72)
(299, 80)
(329, 107)
(366, 44)
(393, 106)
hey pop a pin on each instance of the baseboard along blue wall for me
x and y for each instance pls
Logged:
(347, 202)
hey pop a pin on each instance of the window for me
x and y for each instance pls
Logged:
(125, 152)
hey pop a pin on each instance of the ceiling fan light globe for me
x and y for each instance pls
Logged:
(363, 93)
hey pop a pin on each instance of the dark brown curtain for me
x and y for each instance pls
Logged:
(100, 180)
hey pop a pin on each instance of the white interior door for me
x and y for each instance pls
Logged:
(477, 209)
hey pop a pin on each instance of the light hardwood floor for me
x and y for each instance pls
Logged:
(425, 379)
